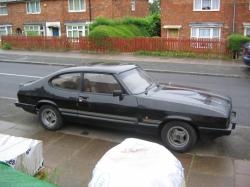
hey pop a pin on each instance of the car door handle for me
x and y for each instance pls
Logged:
(82, 99)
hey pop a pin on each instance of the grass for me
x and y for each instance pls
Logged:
(44, 175)
(178, 54)
(6, 46)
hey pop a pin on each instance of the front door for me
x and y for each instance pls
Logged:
(173, 33)
(55, 31)
(96, 101)
(64, 92)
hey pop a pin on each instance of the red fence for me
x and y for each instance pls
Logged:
(203, 46)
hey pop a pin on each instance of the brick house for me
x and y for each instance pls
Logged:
(63, 17)
(204, 18)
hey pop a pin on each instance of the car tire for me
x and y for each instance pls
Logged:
(50, 117)
(178, 136)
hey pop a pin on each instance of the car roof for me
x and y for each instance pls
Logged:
(100, 68)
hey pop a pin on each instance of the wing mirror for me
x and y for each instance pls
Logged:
(118, 93)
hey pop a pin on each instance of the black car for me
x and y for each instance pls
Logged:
(126, 97)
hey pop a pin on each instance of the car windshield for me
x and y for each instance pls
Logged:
(137, 80)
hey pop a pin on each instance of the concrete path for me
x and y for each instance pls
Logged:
(71, 153)
(70, 160)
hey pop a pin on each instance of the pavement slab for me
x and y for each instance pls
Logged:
(70, 160)
(204, 180)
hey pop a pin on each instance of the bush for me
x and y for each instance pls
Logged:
(6, 46)
(126, 28)
(123, 31)
(154, 28)
(236, 42)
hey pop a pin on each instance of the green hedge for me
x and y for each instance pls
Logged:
(123, 31)
(236, 41)
(126, 28)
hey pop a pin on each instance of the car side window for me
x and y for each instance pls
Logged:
(70, 81)
(100, 83)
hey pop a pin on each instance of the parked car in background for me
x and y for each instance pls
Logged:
(126, 97)
(246, 53)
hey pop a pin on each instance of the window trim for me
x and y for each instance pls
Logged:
(211, 36)
(29, 25)
(6, 29)
(84, 25)
(245, 29)
(4, 5)
(201, 10)
(133, 5)
(83, 8)
(27, 5)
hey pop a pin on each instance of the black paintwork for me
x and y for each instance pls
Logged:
(205, 111)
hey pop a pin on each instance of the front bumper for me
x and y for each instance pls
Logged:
(221, 132)
(27, 107)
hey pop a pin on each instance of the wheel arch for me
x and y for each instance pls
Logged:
(187, 120)
(45, 102)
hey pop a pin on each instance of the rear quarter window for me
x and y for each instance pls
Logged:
(70, 81)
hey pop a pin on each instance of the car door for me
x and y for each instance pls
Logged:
(96, 101)
(64, 92)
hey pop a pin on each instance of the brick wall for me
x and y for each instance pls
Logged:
(242, 15)
(57, 11)
(181, 13)
(123, 8)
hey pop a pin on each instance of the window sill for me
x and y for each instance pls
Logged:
(72, 11)
(33, 13)
(3, 14)
(206, 10)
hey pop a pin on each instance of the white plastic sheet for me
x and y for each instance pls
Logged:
(25, 155)
(138, 163)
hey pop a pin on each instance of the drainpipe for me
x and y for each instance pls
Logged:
(234, 14)
(90, 11)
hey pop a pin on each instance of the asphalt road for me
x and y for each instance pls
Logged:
(12, 74)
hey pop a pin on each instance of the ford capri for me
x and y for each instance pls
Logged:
(127, 98)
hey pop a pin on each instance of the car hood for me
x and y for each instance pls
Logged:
(189, 96)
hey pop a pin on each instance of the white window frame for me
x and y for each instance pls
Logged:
(75, 27)
(83, 7)
(5, 28)
(36, 3)
(211, 32)
(133, 5)
(245, 30)
(41, 32)
(3, 5)
(211, 10)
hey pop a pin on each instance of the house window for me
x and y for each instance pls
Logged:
(33, 7)
(76, 5)
(133, 5)
(247, 31)
(5, 30)
(3, 9)
(206, 5)
(76, 31)
(208, 33)
(34, 30)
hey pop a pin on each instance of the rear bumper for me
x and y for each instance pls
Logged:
(220, 132)
(27, 107)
